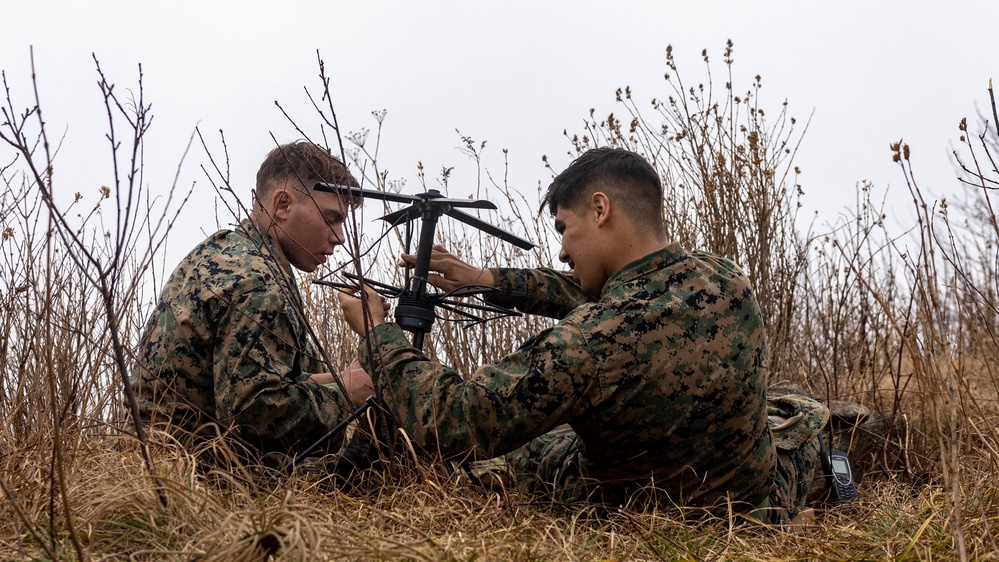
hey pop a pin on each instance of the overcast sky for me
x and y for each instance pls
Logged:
(514, 73)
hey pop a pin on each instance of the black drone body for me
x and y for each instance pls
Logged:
(415, 311)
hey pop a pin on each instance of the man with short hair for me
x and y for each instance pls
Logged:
(227, 347)
(652, 383)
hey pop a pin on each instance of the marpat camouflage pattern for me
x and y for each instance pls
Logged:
(662, 382)
(227, 344)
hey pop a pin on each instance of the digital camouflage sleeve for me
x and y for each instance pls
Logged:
(662, 379)
(227, 343)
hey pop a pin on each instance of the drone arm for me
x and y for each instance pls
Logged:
(496, 231)
(364, 193)
(485, 307)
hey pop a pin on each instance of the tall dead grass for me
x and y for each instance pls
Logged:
(903, 322)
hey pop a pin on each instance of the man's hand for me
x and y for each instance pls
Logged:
(357, 383)
(353, 310)
(322, 378)
(452, 273)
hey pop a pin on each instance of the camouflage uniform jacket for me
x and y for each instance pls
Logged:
(227, 343)
(662, 379)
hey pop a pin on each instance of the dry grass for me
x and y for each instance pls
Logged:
(905, 323)
(422, 514)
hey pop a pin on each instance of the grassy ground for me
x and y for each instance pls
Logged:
(423, 514)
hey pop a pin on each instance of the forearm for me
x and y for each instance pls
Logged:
(541, 291)
(415, 389)
(493, 411)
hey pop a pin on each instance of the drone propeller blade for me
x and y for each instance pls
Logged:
(489, 229)
(466, 203)
(434, 196)
(414, 211)
(408, 214)
(399, 198)
(366, 193)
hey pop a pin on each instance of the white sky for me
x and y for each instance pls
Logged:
(514, 73)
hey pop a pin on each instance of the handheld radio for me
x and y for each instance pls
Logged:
(836, 466)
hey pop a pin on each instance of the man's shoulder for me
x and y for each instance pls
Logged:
(226, 259)
(593, 316)
(715, 263)
(687, 283)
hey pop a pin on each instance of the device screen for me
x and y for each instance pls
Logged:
(840, 466)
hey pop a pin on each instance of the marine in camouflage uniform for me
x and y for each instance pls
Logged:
(656, 385)
(227, 346)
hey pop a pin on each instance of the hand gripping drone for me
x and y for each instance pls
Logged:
(415, 311)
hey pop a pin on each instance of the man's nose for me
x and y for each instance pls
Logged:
(563, 256)
(337, 234)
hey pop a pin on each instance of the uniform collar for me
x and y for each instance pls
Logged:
(260, 239)
(644, 265)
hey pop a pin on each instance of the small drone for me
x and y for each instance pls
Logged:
(415, 311)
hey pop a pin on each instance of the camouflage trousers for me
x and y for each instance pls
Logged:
(554, 464)
(795, 422)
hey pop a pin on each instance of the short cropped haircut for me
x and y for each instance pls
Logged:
(301, 160)
(628, 178)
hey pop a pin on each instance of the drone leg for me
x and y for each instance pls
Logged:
(415, 311)
(409, 244)
(428, 225)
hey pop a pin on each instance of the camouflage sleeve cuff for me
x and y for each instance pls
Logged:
(506, 283)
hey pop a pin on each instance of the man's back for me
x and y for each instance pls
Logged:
(678, 349)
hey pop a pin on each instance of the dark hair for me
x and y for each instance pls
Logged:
(304, 161)
(625, 175)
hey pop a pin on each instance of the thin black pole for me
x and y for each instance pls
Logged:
(339, 427)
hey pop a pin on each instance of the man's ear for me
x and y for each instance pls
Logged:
(281, 200)
(600, 206)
